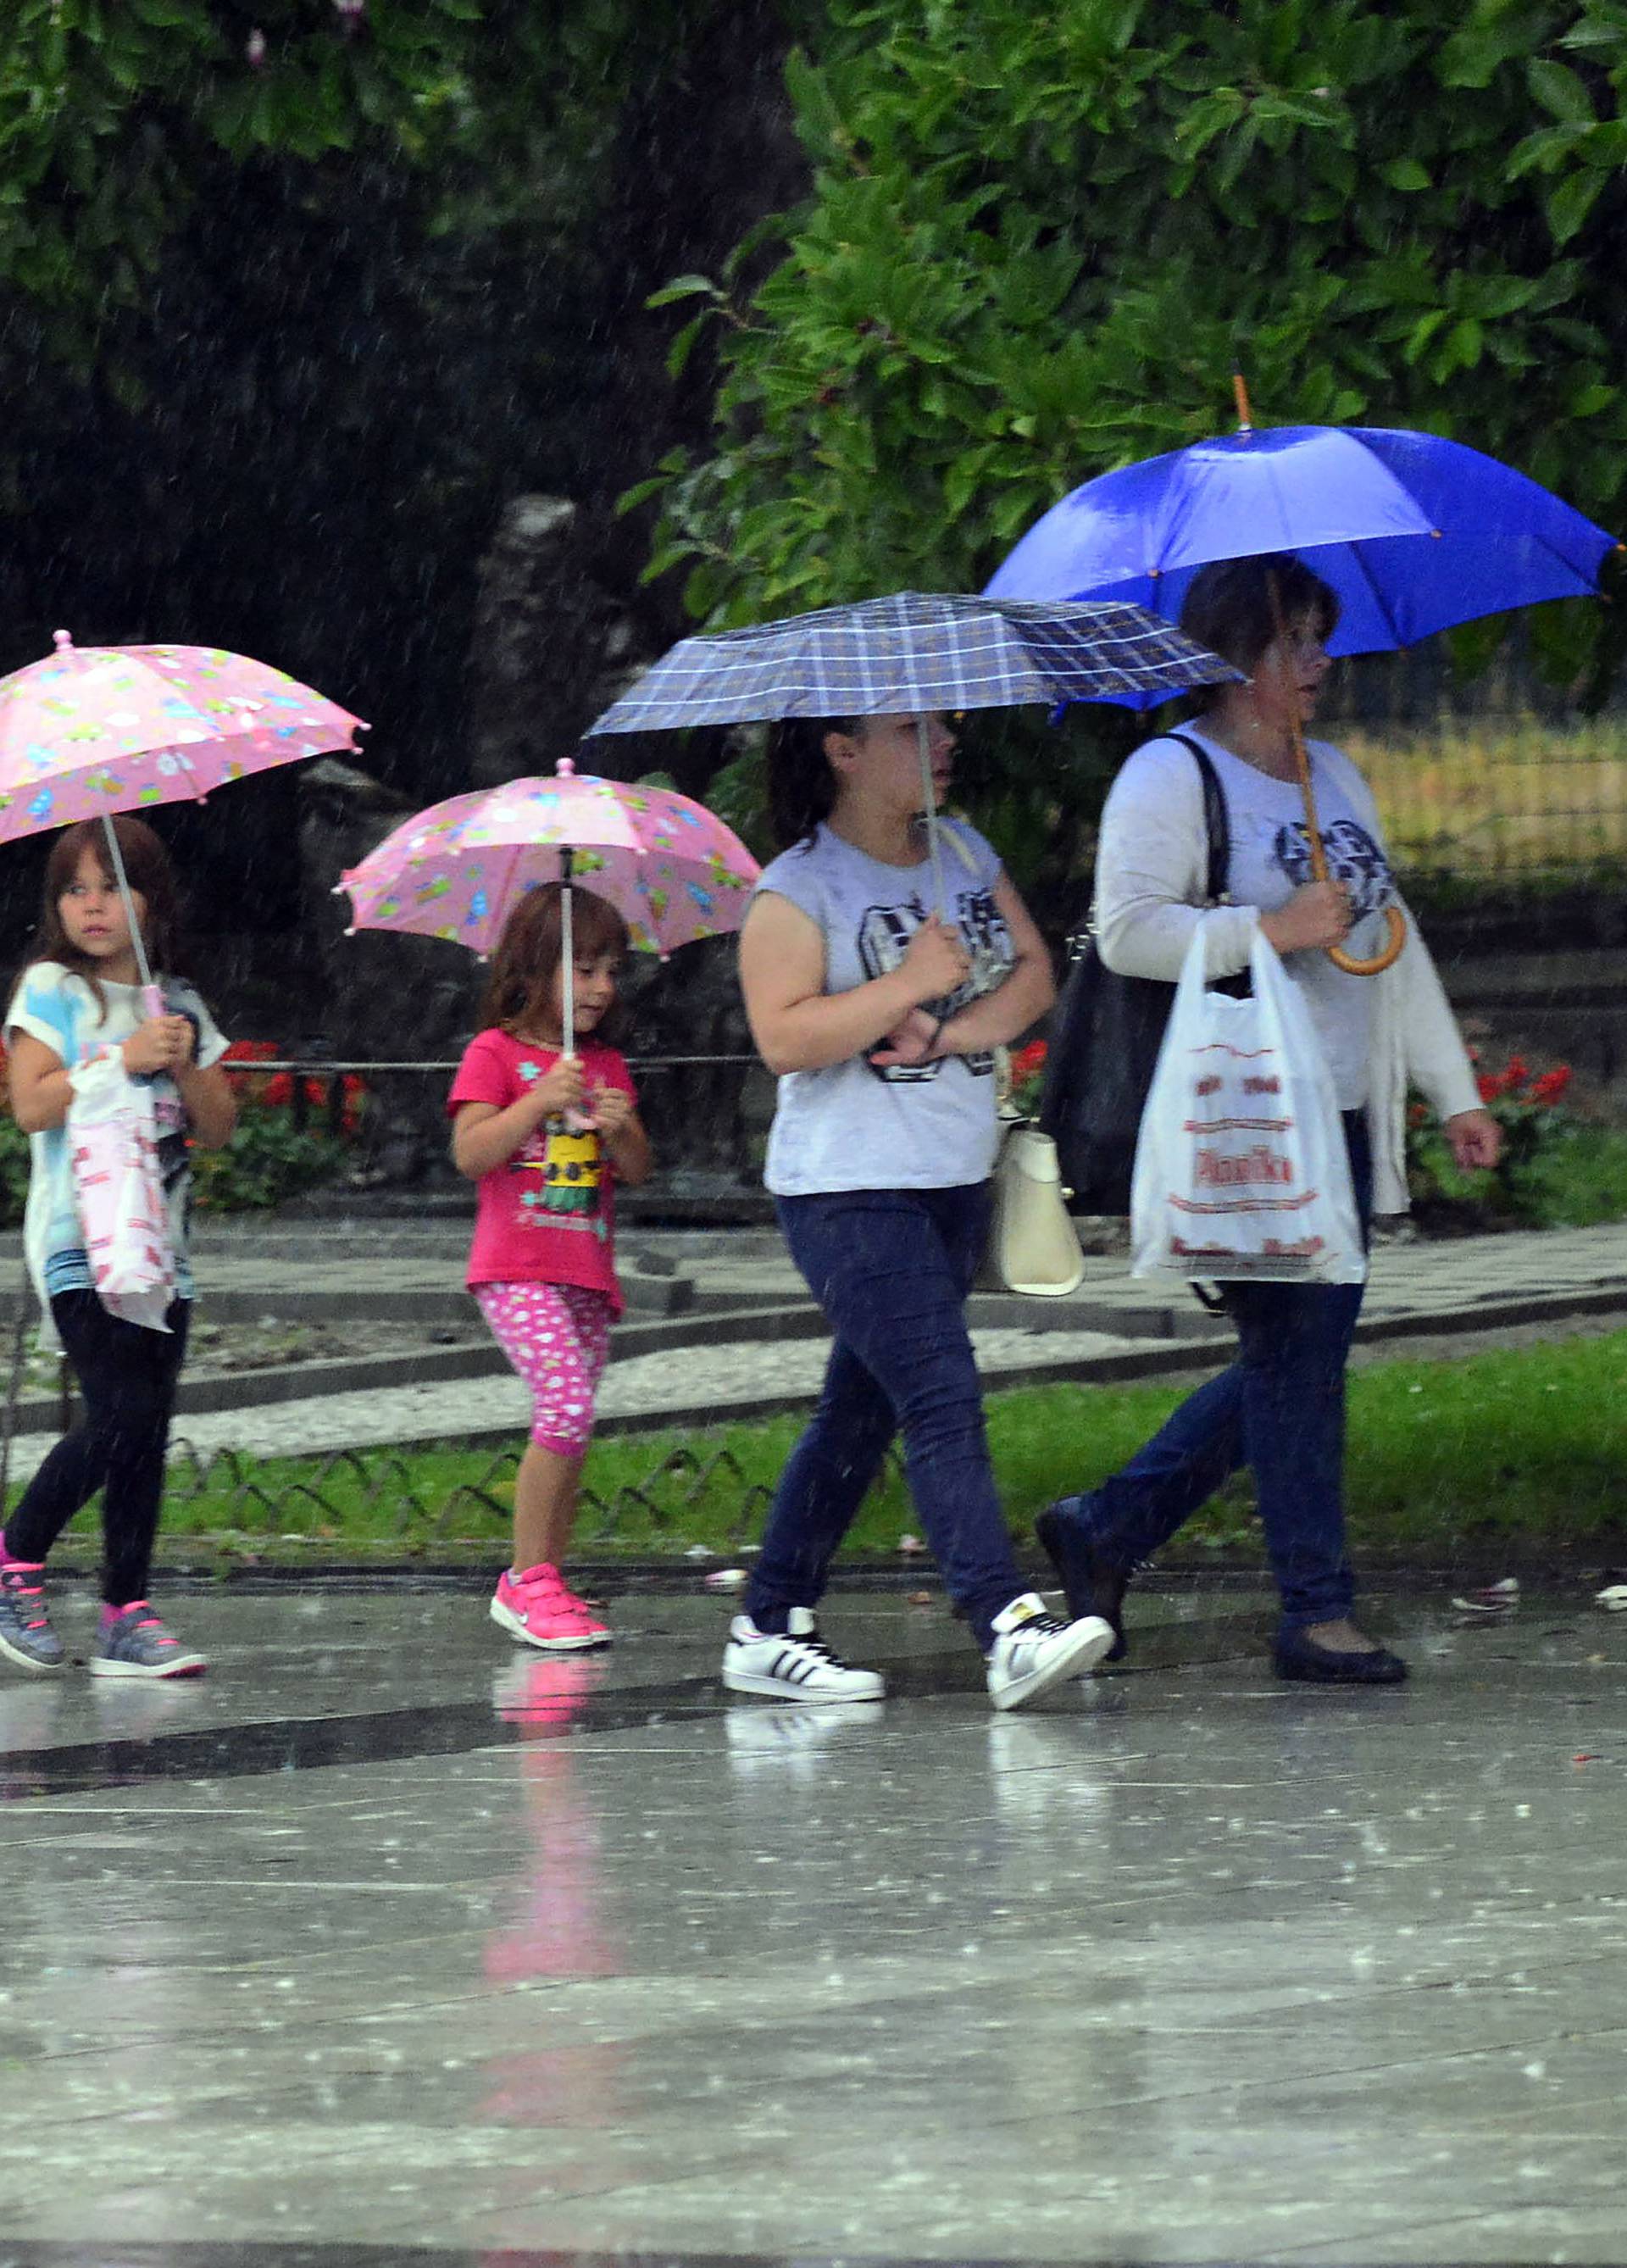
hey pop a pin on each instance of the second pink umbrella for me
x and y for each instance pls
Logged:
(672, 869)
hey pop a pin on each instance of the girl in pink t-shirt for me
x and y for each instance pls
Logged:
(546, 1137)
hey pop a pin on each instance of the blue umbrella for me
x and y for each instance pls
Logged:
(1413, 533)
(911, 653)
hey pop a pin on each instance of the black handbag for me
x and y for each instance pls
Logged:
(1104, 1044)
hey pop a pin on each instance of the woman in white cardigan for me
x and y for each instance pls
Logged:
(1279, 1408)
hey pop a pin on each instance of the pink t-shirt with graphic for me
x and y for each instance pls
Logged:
(547, 1214)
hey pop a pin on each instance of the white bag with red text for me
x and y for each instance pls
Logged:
(118, 1187)
(1242, 1169)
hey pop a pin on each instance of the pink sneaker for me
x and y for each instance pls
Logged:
(537, 1609)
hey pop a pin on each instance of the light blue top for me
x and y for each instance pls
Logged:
(58, 1008)
(851, 1126)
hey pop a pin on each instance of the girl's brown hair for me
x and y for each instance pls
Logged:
(147, 869)
(802, 787)
(518, 989)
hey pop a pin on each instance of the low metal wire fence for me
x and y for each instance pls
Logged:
(378, 1496)
(1505, 797)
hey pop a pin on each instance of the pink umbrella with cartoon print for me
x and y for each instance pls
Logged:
(92, 731)
(671, 868)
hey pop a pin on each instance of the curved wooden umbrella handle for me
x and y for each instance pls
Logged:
(1397, 924)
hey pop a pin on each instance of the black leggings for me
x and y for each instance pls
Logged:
(127, 1377)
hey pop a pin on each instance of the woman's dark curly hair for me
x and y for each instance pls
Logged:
(1230, 608)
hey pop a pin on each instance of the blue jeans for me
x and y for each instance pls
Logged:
(891, 1269)
(1280, 1410)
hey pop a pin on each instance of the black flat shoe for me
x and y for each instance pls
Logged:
(1089, 1585)
(1302, 1660)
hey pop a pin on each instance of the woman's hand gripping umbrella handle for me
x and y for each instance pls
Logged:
(1396, 921)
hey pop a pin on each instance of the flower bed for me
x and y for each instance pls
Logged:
(1557, 1169)
(294, 1132)
(1027, 1078)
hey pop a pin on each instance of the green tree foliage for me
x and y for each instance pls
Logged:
(1037, 238)
(283, 326)
(113, 113)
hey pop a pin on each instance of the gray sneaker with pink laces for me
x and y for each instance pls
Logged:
(26, 1639)
(136, 1644)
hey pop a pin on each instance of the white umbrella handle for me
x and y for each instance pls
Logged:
(152, 998)
(934, 848)
(578, 1121)
(567, 958)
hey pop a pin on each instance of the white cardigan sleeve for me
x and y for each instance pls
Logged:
(1415, 1040)
(1152, 870)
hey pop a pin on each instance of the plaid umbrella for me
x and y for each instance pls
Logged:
(908, 654)
(915, 650)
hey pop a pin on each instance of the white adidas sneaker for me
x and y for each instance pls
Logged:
(797, 1666)
(1034, 1650)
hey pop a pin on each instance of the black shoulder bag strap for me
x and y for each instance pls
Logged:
(1216, 823)
(1106, 1036)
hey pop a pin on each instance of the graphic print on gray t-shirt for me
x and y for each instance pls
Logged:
(884, 935)
(1354, 859)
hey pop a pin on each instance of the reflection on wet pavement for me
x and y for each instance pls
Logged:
(391, 1942)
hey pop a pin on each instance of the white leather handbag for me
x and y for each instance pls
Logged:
(1033, 1244)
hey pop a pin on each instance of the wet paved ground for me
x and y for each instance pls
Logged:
(388, 1936)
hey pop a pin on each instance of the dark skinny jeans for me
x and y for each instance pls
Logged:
(128, 1378)
(1278, 1409)
(891, 1269)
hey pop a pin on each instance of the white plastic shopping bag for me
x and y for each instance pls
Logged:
(1241, 1166)
(119, 1188)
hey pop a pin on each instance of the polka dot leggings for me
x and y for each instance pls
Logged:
(557, 1336)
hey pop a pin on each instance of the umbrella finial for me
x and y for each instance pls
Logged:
(564, 768)
(61, 638)
(1240, 394)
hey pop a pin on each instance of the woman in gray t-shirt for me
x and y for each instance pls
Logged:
(880, 1010)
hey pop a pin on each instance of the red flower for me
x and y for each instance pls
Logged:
(1027, 1060)
(1491, 1085)
(1517, 1074)
(1552, 1084)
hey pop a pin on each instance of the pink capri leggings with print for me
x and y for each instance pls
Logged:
(557, 1336)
